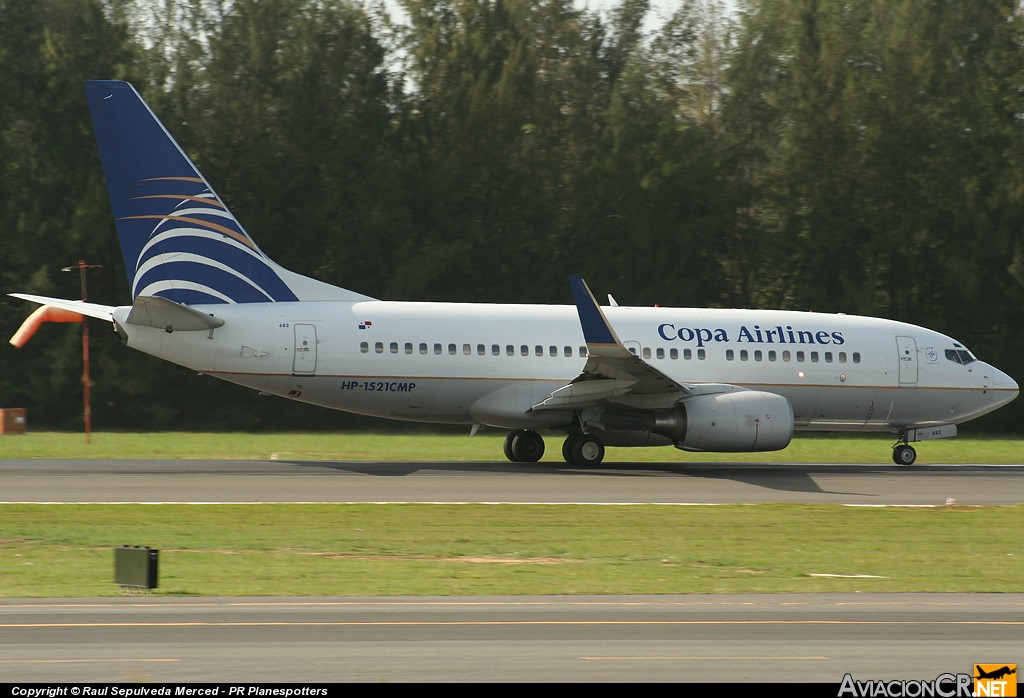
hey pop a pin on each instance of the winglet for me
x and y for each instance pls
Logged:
(596, 329)
(611, 370)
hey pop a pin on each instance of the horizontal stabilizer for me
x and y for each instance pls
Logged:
(153, 311)
(103, 312)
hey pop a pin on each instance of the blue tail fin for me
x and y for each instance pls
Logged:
(178, 239)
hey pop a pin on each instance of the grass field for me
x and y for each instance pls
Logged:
(422, 549)
(419, 549)
(486, 446)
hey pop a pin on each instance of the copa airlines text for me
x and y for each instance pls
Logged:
(778, 335)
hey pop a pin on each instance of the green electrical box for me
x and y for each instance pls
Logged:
(135, 567)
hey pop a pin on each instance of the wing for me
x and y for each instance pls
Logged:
(612, 370)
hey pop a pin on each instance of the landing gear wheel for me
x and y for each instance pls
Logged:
(524, 446)
(903, 454)
(584, 449)
(567, 447)
(508, 446)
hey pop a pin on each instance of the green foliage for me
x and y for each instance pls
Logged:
(861, 157)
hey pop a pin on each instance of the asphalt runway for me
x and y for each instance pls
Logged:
(356, 481)
(791, 638)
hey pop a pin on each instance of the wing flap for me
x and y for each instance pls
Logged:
(585, 393)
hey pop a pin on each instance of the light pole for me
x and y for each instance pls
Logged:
(86, 410)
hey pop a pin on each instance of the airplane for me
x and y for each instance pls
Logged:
(206, 297)
(995, 674)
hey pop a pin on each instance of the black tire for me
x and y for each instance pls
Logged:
(587, 449)
(508, 446)
(904, 455)
(527, 446)
(567, 448)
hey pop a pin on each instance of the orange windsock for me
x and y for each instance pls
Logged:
(46, 313)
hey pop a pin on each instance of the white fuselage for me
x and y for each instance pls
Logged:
(489, 364)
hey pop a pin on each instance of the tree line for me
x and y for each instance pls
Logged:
(862, 157)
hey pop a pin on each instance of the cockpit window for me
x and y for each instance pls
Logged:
(960, 356)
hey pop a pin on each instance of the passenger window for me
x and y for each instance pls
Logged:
(660, 353)
(408, 347)
(772, 356)
(553, 350)
(364, 347)
(744, 355)
(394, 347)
(758, 355)
(730, 355)
(538, 350)
(467, 349)
(786, 356)
(567, 351)
(842, 357)
(856, 357)
(423, 347)
(687, 354)
(524, 350)
(379, 347)
(481, 349)
(828, 357)
(702, 354)
(452, 349)
(647, 352)
(814, 357)
(583, 352)
(800, 356)
(673, 353)
(438, 350)
(495, 350)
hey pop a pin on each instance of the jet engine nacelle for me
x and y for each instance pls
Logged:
(747, 420)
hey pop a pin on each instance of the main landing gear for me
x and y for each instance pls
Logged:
(582, 449)
(524, 446)
(902, 452)
(527, 446)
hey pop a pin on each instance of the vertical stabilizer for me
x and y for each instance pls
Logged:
(179, 240)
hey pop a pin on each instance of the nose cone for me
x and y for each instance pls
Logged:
(1004, 387)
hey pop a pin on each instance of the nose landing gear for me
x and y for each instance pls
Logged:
(902, 452)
